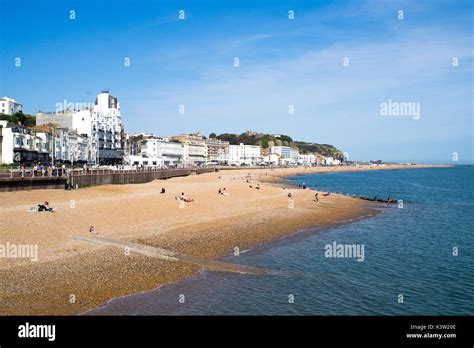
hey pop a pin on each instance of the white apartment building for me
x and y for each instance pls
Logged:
(163, 151)
(282, 151)
(272, 159)
(244, 155)
(195, 153)
(102, 125)
(217, 151)
(107, 129)
(294, 155)
(307, 160)
(18, 144)
(331, 161)
(195, 148)
(10, 106)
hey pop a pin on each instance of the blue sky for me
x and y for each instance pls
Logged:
(282, 62)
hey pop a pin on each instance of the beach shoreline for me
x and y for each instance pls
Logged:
(72, 277)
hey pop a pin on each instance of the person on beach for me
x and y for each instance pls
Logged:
(224, 192)
(257, 186)
(316, 197)
(304, 186)
(290, 195)
(45, 207)
(220, 191)
(183, 198)
(162, 190)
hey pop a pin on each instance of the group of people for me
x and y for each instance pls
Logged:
(257, 187)
(183, 198)
(180, 197)
(223, 192)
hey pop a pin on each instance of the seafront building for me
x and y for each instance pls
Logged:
(286, 154)
(282, 151)
(271, 159)
(21, 144)
(162, 151)
(10, 106)
(331, 161)
(244, 155)
(195, 148)
(107, 129)
(307, 159)
(217, 151)
(180, 150)
(95, 134)
(294, 155)
(100, 127)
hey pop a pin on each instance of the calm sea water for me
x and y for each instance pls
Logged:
(407, 251)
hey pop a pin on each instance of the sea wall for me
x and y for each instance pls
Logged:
(95, 178)
(38, 183)
(121, 178)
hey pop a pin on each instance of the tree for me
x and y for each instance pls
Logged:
(212, 136)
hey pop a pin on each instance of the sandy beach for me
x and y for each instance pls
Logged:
(72, 276)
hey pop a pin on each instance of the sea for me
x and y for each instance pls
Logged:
(418, 257)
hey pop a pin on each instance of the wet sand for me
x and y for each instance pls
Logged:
(72, 276)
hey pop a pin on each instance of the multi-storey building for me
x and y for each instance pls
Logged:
(19, 144)
(195, 148)
(217, 151)
(294, 155)
(282, 151)
(102, 125)
(107, 129)
(307, 159)
(244, 154)
(9, 106)
(163, 151)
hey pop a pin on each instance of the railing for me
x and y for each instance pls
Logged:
(65, 172)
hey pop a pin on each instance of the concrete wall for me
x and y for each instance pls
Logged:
(110, 178)
(18, 184)
(205, 170)
(126, 178)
